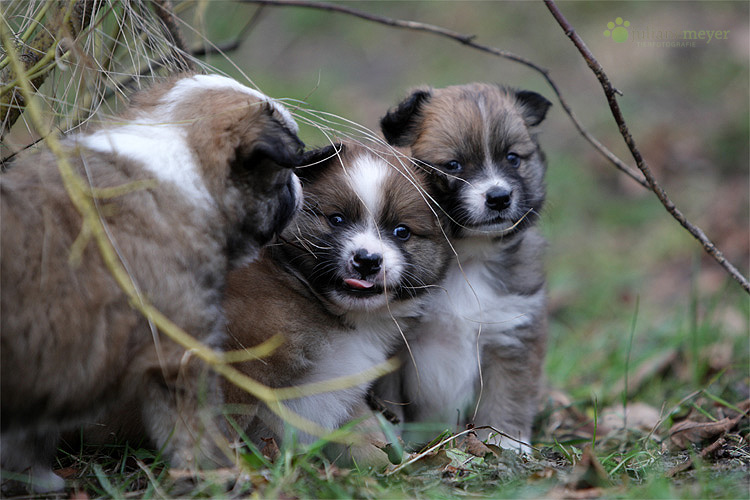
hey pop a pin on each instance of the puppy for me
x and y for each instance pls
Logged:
(478, 351)
(215, 156)
(351, 272)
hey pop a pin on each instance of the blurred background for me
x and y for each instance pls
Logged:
(631, 292)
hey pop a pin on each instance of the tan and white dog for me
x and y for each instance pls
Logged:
(73, 347)
(352, 272)
(478, 351)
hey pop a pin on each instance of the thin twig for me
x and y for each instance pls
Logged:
(165, 12)
(231, 45)
(468, 40)
(611, 94)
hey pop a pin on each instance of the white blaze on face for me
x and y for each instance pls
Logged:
(367, 177)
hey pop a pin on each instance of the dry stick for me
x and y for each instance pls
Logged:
(165, 12)
(610, 91)
(611, 94)
(232, 45)
(468, 40)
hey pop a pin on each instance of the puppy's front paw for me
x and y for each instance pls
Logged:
(38, 479)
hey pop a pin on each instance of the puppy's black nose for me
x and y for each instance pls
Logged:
(498, 198)
(366, 263)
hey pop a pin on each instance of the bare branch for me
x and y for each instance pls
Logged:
(611, 94)
(232, 44)
(467, 40)
(165, 12)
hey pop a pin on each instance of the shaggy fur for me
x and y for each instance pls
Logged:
(352, 272)
(73, 346)
(479, 349)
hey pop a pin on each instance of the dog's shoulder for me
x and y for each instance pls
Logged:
(263, 301)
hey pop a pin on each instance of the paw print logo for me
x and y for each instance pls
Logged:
(617, 30)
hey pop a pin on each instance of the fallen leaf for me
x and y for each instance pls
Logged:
(560, 493)
(475, 446)
(67, 472)
(719, 356)
(79, 495)
(682, 434)
(546, 473)
(588, 472)
(636, 416)
(708, 450)
(435, 460)
(270, 450)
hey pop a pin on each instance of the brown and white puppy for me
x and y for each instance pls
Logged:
(218, 155)
(483, 340)
(351, 273)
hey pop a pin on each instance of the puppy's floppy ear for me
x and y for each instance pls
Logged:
(315, 161)
(276, 143)
(534, 106)
(286, 152)
(400, 123)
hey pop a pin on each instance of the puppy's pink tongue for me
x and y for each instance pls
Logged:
(359, 284)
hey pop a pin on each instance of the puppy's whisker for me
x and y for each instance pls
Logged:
(300, 247)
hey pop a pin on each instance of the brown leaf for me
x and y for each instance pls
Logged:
(67, 472)
(719, 356)
(546, 473)
(270, 450)
(588, 473)
(682, 434)
(636, 416)
(435, 460)
(560, 493)
(475, 447)
(79, 495)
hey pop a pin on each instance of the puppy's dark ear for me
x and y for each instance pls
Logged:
(534, 107)
(315, 161)
(284, 151)
(400, 123)
(276, 144)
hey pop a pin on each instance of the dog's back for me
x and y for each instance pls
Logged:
(195, 190)
(52, 271)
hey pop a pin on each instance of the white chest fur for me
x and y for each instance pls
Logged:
(472, 309)
(345, 353)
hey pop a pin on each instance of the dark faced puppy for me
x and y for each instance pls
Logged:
(488, 174)
(215, 157)
(352, 272)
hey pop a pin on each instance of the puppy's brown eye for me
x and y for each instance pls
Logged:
(402, 232)
(453, 166)
(513, 159)
(336, 220)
